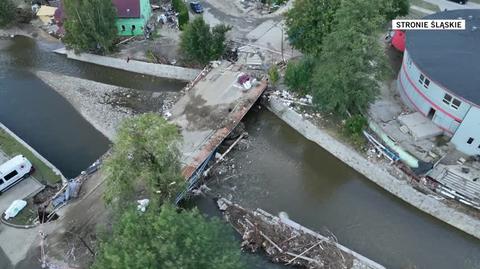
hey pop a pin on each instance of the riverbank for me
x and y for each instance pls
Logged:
(375, 172)
(13, 145)
(103, 105)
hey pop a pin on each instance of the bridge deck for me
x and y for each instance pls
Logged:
(210, 111)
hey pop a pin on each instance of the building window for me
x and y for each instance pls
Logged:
(447, 99)
(424, 81)
(456, 103)
(133, 28)
(470, 140)
(452, 102)
(123, 28)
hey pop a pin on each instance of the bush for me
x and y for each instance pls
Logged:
(353, 129)
(182, 9)
(298, 74)
(7, 12)
(273, 75)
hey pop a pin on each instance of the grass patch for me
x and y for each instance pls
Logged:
(12, 147)
(424, 4)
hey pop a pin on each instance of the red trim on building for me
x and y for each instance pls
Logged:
(441, 86)
(416, 107)
(426, 98)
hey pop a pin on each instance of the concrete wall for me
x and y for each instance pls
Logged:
(157, 70)
(33, 151)
(376, 173)
(470, 128)
(429, 101)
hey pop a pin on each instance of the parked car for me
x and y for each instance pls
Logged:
(13, 171)
(196, 7)
(462, 2)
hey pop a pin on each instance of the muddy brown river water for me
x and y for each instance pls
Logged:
(281, 170)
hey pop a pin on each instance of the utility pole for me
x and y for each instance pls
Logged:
(283, 56)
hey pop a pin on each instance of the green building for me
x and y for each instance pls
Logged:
(133, 16)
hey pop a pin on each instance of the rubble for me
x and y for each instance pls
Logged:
(285, 241)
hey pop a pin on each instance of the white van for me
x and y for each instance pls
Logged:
(13, 171)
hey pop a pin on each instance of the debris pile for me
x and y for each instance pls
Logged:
(285, 241)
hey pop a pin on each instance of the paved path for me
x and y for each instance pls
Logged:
(14, 243)
(444, 4)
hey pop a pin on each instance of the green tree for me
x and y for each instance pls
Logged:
(183, 15)
(298, 74)
(90, 25)
(352, 62)
(308, 22)
(273, 75)
(200, 44)
(392, 9)
(168, 239)
(145, 155)
(7, 12)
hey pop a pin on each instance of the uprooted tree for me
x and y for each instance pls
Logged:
(167, 238)
(90, 25)
(7, 12)
(145, 157)
(201, 44)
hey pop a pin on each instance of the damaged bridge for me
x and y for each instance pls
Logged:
(214, 104)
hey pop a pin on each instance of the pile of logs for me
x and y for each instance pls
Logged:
(285, 241)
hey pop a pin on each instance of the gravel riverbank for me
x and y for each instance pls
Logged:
(375, 172)
(103, 105)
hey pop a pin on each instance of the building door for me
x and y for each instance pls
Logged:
(431, 113)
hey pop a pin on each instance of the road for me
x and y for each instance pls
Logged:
(444, 4)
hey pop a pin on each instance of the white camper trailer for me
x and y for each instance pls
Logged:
(13, 171)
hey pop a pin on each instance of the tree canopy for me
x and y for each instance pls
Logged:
(352, 62)
(7, 12)
(392, 9)
(90, 25)
(298, 74)
(183, 16)
(200, 44)
(167, 239)
(308, 22)
(144, 154)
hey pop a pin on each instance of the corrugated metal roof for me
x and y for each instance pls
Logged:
(127, 8)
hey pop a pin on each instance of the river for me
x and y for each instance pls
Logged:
(281, 170)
